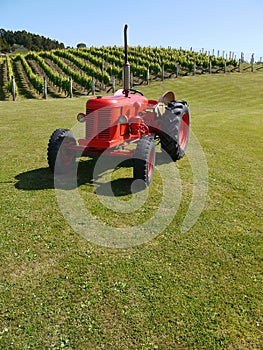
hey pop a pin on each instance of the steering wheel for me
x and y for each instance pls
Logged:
(134, 91)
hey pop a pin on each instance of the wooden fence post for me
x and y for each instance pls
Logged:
(210, 67)
(147, 76)
(45, 88)
(252, 62)
(70, 88)
(225, 66)
(102, 69)
(239, 65)
(93, 86)
(177, 69)
(13, 88)
(113, 83)
(163, 72)
(131, 83)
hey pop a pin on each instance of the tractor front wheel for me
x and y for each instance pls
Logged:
(61, 159)
(144, 160)
(175, 129)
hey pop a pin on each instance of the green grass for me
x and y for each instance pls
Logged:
(196, 290)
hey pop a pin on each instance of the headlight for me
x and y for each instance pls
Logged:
(81, 117)
(123, 119)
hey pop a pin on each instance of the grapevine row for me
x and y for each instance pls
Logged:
(110, 68)
(92, 65)
(139, 71)
(10, 74)
(87, 68)
(155, 58)
(59, 81)
(33, 78)
(82, 80)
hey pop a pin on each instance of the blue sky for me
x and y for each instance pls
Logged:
(233, 25)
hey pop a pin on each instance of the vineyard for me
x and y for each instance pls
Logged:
(75, 72)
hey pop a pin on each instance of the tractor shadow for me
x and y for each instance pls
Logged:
(43, 179)
(113, 188)
(37, 179)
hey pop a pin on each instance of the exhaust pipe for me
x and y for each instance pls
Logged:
(126, 66)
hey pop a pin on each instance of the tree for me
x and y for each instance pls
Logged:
(4, 46)
(81, 45)
(10, 39)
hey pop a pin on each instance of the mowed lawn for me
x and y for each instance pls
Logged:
(201, 289)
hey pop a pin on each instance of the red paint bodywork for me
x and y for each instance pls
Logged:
(103, 129)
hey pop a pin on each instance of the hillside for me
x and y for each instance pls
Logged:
(83, 71)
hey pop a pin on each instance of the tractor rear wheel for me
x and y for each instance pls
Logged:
(175, 129)
(60, 158)
(144, 160)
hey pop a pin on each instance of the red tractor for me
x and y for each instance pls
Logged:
(114, 124)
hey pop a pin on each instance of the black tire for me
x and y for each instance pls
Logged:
(60, 159)
(144, 160)
(175, 129)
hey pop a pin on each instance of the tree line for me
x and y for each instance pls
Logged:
(10, 40)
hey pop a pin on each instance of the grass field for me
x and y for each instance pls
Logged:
(196, 290)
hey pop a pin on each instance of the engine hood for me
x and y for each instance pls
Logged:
(115, 101)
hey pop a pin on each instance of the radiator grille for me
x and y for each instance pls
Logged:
(104, 122)
(98, 124)
(90, 125)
